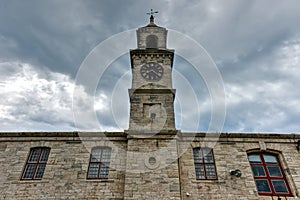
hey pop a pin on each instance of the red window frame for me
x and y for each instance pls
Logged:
(267, 175)
(204, 163)
(36, 163)
(101, 165)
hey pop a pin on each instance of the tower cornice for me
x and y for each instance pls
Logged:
(154, 53)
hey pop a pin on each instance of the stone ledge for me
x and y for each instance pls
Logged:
(30, 181)
(62, 134)
(101, 180)
(208, 181)
(241, 135)
(144, 134)
(221, 136)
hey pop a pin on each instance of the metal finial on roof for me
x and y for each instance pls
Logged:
(151, 13)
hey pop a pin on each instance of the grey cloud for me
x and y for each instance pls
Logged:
(251, 42)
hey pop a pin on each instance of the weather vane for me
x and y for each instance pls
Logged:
(152, 12)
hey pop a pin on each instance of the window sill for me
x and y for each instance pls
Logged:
(208, 181)
(31, 181)
(101, 180)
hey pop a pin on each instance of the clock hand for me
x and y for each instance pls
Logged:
(154, 72)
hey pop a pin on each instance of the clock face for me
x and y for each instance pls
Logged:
(152, 71)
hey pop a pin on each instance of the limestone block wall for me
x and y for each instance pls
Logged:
(155, 166)
(65, 176)
(146, 102)
(230, 153)
(152, 168)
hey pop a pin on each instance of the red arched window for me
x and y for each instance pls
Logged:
(268, 174)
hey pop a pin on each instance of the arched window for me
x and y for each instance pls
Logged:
(268, 174)
(36, 163)
(99, 163)
(151, 42)
(204, 163)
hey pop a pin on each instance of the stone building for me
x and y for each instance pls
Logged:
(150, 160)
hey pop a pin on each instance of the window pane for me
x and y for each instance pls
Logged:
(254, 159)
(199, 171)
(45, 155)
(210, 171)
(29, 170)
(263, 186)
(197, 155)
(280, 186)
(96, 153)
(34, 155)
(106, 155)
(93, 170)
(104, 172)
(258, 171)
(274, 171)
(208, 157)
(269, 159)
(40, 171)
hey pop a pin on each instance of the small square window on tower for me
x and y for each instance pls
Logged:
(152, 116)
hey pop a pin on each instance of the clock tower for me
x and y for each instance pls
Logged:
(151, 166)
(151, 95)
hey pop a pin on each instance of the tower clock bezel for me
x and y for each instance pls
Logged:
(152, 71)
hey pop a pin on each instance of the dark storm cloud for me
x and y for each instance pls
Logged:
(245, 39)
(55, 34)
(255, 45)
(59, 34)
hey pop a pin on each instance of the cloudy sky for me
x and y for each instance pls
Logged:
(254, 44)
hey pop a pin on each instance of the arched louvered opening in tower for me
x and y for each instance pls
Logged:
(151, 42)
